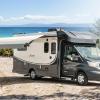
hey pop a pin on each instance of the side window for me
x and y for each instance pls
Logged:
(71, 54)
(46, 47)
(53, 48)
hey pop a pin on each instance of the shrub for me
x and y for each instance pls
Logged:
(6, 52)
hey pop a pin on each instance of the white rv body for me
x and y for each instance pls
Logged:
(34, 53)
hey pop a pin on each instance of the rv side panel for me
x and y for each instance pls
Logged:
(38, 56)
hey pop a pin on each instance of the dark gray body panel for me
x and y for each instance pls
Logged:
(23, 67)
(72, 70)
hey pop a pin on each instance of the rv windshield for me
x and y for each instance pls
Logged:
(87, 52)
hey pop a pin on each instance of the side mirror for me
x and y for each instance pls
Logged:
(75, 57)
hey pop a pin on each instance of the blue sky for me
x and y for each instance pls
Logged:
(49, 11)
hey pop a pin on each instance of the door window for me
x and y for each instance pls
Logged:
(70, 54)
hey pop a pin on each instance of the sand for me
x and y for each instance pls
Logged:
(15, 86)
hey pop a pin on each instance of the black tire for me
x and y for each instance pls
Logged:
(32, 74)
(82, 78)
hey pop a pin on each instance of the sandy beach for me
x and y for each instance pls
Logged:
(15, 86)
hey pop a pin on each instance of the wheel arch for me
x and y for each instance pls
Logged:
(80, 70)
(31, 70)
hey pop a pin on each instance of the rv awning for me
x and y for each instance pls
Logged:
(17, 42)
(82, 37)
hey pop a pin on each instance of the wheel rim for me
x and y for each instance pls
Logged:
(81, 78)
(32, 74)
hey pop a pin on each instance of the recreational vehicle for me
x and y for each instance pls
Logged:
(57, 54)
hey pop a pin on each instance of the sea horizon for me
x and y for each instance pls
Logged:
(9, 31)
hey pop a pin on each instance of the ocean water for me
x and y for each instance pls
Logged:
(10, 31)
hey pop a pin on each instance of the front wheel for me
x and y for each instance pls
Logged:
(82, 78)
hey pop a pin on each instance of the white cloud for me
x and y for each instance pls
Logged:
(33, 19)
(1, 18)
(46, 19)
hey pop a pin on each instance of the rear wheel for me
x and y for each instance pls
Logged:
(32, 74)
(82, 78)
